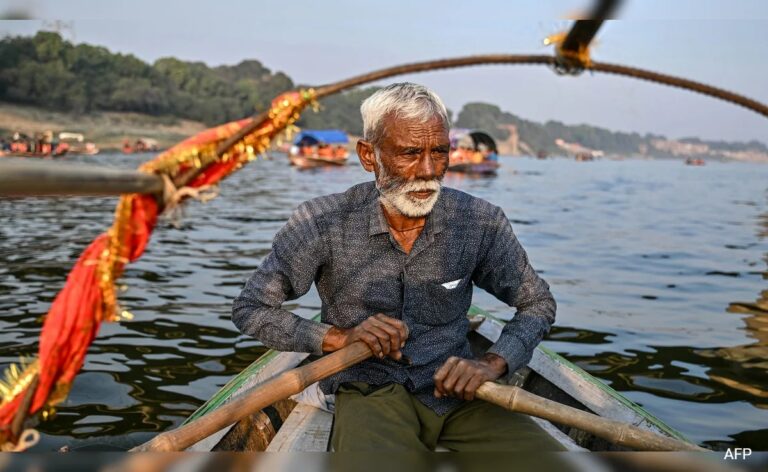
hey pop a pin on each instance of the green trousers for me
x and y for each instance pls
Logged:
(373, 419)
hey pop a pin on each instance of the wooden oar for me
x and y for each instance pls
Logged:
(277, 388)
(518, 400)
(22, 177)
(512, 398)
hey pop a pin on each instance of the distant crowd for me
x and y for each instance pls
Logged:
(39, 144)
(321, 150)
(467, 154)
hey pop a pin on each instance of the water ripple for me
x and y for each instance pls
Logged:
(659, 272)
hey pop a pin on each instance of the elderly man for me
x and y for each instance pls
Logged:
(395, 262)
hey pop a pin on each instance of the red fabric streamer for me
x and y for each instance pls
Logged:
(78, 310)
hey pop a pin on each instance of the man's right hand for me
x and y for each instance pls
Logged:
(383, 334)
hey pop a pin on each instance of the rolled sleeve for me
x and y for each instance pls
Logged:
(309, 336)
(518, 340)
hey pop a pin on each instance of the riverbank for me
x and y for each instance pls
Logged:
(108, 130)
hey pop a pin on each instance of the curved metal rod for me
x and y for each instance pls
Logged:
(686, 84)
(525, 59)
(489, 59)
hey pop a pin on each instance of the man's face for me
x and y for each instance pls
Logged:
(411, 160)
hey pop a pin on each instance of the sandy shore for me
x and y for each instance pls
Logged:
(108, 130)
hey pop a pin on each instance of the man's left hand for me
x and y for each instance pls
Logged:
(460, 378)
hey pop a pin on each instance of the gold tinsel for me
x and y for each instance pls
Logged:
(16, 378)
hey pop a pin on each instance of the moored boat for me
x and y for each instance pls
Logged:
(303, 424)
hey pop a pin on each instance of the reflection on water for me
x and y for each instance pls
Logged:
(751, 358)
(659, 270)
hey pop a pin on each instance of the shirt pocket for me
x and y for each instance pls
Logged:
(445, 301)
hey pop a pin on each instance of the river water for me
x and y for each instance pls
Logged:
(659, 270)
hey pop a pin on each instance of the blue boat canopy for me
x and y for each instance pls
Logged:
(312, 137)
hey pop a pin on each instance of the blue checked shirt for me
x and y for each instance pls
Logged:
(341, 242)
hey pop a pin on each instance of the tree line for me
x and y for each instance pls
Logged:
(46, 71)
(542, 136)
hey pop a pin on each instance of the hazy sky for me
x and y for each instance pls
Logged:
(722, 43)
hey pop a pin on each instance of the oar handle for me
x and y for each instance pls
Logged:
(22, 177)
(261, 396)
(518, 400)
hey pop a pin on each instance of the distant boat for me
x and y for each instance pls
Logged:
(319, 148)
(694, 162)
(308, 162)
(75, 144)
(480, 168)
(140, 145)
(42, 145)
(473, 152)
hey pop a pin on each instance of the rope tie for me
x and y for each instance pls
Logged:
(173, 196)
(28, 438)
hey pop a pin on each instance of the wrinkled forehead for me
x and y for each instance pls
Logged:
(405, 131)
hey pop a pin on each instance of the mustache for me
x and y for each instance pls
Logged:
(390, 184)
(420, 186)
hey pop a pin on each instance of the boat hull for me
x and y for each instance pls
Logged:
(309, 162)
(480, 168)
(31, 154)
(306, 426)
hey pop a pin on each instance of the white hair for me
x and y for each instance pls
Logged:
(405, 100)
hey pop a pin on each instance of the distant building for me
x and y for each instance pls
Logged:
(577, 149)
(677, 148)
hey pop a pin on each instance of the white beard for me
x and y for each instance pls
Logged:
(394, 193)
(411, 206)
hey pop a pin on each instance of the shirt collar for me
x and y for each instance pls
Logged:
(377, 222)
(438, 214)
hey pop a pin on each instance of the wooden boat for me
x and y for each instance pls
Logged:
(315, 148)
(74, 143)
(303, 427)
(308, 162)
(472, 152)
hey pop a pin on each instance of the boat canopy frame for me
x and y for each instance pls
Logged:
(314, 137)
(478, 137)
